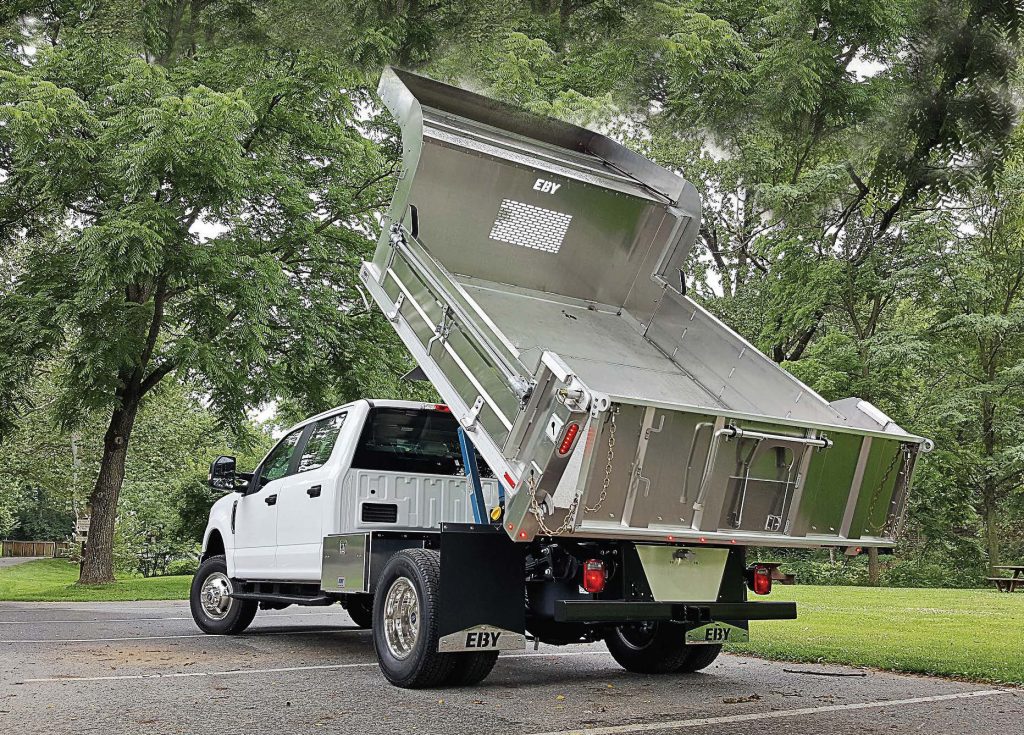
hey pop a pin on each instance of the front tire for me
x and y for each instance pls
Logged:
(658, 648)
(213, 609)
(405, 612)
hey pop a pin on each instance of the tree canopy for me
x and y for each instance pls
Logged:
(187, 188)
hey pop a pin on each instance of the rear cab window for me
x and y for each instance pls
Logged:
(411, 440)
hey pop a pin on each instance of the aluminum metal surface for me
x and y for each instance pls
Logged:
(517, 242)
(345, 563)
(683, 574)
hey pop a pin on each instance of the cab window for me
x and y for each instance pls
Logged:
(275, 466)
(412, 440)
(320, 443)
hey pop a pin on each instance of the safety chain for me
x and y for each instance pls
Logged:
(894, 525)
(607, 467)
(881, 484)
(570, 517)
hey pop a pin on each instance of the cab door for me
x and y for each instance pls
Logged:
(256, 513)
(303, 500)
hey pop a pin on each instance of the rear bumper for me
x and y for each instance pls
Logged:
(622, 611)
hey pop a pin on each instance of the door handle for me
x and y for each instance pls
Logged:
(271, 499)
(314, 492)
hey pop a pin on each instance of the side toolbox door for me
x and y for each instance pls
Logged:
(305, 498)
(256, 514)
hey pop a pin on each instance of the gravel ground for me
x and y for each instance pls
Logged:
(144, 667)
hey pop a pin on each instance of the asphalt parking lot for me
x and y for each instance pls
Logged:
(143, 667)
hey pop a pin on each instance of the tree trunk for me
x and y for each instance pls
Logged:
(873, 566)
(989, 490)
(992, 534)
(98, 560)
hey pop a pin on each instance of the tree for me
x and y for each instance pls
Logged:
(186, 190)
(45, 471)
(977, 334)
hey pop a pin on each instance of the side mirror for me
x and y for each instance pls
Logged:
(222, 474)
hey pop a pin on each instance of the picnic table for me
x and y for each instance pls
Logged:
(1011, 583)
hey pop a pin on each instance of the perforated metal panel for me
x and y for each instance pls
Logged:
(529, 226)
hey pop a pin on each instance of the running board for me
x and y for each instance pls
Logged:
(285, 599)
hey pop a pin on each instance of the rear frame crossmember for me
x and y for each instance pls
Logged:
(617, 611)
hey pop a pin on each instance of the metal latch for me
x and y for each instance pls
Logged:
(469, 422)
(393, 314)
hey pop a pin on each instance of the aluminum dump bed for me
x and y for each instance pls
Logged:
(533, 269)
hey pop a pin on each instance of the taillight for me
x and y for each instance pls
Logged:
(759, 579)
(568, 438)
(594, 576)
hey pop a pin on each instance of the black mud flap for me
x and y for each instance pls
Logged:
(482, 590)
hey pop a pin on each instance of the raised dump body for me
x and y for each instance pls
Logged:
(533, 269)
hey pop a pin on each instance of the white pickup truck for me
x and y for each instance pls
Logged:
(606, 451)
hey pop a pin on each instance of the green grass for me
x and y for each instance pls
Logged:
(969, 634)
(53, 580)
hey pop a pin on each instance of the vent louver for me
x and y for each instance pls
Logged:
(379, 513)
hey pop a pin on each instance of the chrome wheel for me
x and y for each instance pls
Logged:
(401, 618)
(215, 596)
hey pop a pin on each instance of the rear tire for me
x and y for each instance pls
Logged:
(212, 608)
(700, 657)
(360, 609)
(405, 612)
(650, 648)
(471, 668)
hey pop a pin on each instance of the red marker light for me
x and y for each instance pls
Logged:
(510, 481)
(759, 579)
(671, 538)
(702, 540)
(442, 408)
(568, 438)
(594, 576)
(522, 535)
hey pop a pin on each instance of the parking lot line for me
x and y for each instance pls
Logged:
(251, 634)
(132, 620)
(772, 715)
(244, 672)
(198, 674)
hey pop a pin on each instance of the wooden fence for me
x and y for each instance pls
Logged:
(31, 548)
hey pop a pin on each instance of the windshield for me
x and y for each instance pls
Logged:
(411, 440)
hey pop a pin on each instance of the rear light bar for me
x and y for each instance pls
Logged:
(594, 576)
(759, 579)
(568, 438)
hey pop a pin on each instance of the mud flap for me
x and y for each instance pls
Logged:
(482, 590)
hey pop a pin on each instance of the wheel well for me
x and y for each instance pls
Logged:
(214, 546)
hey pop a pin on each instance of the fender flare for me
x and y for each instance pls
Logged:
(218, 540)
